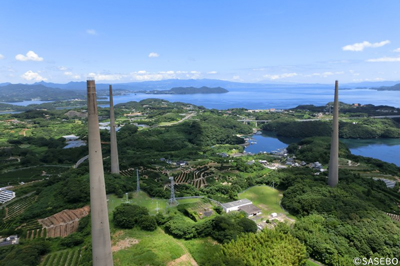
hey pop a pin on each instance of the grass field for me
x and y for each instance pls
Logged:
(266, 198)
(142, 199)
(153, 248)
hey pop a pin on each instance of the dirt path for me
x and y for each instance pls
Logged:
(125, 243)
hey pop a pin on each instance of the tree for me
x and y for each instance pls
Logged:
(248, 225)
(270, 247)
(127, 215)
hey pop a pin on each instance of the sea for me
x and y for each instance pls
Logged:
(283, 98)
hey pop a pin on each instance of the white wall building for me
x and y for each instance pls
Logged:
(235, 205)
(6, 195)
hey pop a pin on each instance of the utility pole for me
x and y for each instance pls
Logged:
(172, 200)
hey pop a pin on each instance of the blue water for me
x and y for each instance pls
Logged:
(387, 150)
(26, 103)
(279, 98)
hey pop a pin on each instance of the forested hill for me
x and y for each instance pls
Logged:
(23, 92)
(189, 90)
(388, 88)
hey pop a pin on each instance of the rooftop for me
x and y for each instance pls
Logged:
(250, 209)
(237, 203)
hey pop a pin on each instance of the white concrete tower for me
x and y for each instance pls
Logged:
(333, 177)
(113, 138)
(101, 242)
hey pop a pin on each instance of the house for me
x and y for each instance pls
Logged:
(181, 163)
(235, 205)
(250, 210)
(223, 155)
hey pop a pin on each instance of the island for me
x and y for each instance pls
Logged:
(187, 90)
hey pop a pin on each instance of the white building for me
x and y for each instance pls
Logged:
(6, 195)
(235, 205)
(70, 137)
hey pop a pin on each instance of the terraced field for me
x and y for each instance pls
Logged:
(68, 257)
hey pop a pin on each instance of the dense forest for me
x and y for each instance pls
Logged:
(366, 128)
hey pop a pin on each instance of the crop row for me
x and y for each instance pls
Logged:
(69, 257)
(18, 207)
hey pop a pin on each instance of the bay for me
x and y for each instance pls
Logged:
(387, 150)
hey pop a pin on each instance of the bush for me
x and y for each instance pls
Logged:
(148, 223)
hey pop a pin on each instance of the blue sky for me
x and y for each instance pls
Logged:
(245, 41)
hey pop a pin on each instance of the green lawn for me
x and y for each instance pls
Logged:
(311, 263)
(266, 198)
(141, 199)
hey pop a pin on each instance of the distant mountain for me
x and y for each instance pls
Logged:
(23, 92)
(4, 84)
(188, 90)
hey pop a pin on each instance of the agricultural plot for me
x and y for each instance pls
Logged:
(68, 257)
(18, 207)
(196, 178)
(28, 174)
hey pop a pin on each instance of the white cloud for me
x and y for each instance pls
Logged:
(236, 77)
(153, 55)
(30, 75)
(326, 74)
(91, 32)
(1, 56)
(374, 79)
(285, 75)
(106, 76)
(385, 59)
(358, 47)
(68, 73)
(397, 50)
(161, 75)
(30, 56)
(62, 68)
(212, 72)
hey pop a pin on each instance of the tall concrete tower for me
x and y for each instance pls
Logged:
(101, 242)
(113, 138)
(333, 177)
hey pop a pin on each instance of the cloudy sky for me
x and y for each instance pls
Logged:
(245, 41)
